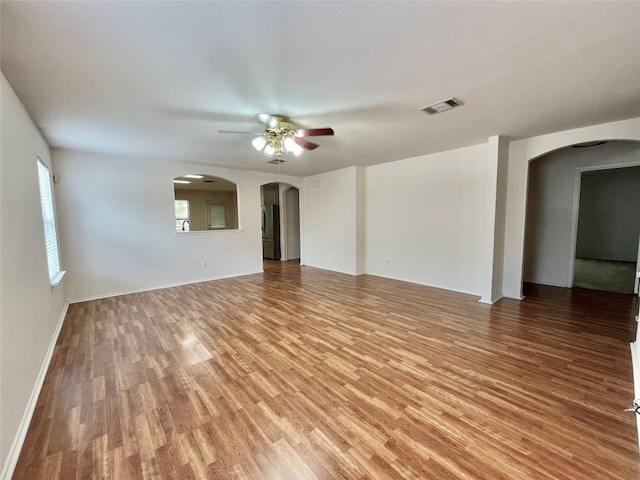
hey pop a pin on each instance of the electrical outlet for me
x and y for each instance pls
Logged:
(204, 264)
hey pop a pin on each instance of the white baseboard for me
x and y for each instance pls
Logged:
(18, 441)
(491, 301)
(635, 359)
(158, 287)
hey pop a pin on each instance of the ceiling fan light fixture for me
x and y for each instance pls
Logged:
(259, 143)
(269, 151)
(264, 118)
(290, 143)
(279, 137)
(297, 150)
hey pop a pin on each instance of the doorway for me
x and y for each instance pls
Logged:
(270, 221)
(280, 204)
(553, 210)
(608, 230)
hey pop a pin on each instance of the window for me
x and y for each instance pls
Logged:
(50, 234)
(182, 216)
(217, 215)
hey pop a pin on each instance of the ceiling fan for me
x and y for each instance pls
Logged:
(280, 137)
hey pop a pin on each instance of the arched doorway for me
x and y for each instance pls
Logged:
(603, 252)
(520, 154)
(281, 232)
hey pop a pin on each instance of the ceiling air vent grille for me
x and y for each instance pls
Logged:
(442, 106)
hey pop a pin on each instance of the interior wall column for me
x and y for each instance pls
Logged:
(360, 231)
(496, 188)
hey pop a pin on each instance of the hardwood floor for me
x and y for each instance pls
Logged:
(278, 264)
(300, 373)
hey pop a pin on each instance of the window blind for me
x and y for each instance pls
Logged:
(218, 214)
(51, 241)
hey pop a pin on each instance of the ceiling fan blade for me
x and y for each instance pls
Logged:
(314, 132)
(305, 143)
(236, 131)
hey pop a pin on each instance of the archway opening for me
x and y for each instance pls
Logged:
(280, 219)
(205, 203)
(566, 231)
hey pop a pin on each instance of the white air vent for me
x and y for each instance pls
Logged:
(276, 161)
(442, 106)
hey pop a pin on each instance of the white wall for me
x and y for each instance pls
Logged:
(361, 209)
(609, 218)
(292, 222)
(270, 194)
(117, 225)
(521, 152)
(30, 309)
(425, 219)
(551, 209)
(331, 239)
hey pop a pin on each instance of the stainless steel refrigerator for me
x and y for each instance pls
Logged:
(271, 232)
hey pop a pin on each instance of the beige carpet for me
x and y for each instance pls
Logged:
(604, 275)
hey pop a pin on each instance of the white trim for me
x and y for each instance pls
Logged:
(610, 166)
(493, 300)
(55, 281)
(216, 231)
(159, 287)
(23, 427)
(573, 241)
(284, 238)
(635, 360)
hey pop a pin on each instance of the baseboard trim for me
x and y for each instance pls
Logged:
(635, 360)
(158, 287)
(491, 301)
(23, 427)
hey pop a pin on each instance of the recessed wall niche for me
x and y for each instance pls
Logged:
(203, 202)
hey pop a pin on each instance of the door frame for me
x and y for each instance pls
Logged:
(573, 240)
(284, 254)
(283, 186)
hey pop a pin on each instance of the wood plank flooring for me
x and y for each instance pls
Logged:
(300, 373)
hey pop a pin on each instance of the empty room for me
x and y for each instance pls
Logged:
(319, 240)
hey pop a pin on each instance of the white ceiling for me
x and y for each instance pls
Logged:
(159, 79)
